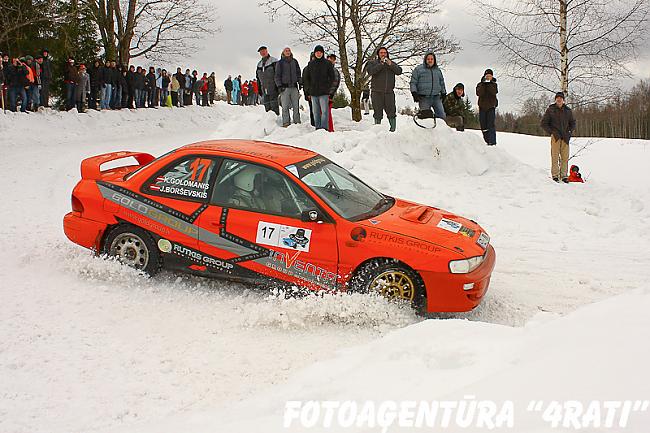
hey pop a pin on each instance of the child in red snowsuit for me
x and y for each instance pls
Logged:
(574, 174)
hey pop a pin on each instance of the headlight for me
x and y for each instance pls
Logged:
(465, 266)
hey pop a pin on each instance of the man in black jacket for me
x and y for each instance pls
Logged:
(383, 71)
(119, 87)
(318, 78)
(46, 78)
(16, 79)
(180, 77)
(150, 86)
(96, 73)
(560, 123)
(487, 91)
(228, 86)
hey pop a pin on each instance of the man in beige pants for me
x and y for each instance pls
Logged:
(560, 123)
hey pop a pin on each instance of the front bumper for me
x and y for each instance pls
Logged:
(446, 291)
(82, 231)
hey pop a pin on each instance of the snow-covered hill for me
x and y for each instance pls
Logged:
(87, 345)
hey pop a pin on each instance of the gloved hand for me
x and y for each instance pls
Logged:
(416, 97)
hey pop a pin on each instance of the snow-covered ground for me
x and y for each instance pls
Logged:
(87, 345)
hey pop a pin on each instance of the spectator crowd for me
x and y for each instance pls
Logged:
(105, 85)
(26, 83)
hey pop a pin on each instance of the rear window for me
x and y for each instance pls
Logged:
(133, 173)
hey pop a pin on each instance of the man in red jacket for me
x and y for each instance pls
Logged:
(256, 92)
(204, 90)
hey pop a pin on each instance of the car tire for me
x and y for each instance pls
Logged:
(133, 247)
(391, 279)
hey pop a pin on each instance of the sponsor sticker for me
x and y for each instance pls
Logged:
(279, 235)
(449, 225)
(466, 231)
(164, 245)
(483, 241)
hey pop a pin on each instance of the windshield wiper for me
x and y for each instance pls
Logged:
(382, 202)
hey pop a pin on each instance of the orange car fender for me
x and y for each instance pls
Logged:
(359, 243)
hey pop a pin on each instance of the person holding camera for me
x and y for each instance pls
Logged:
(487, 91)
(428, 86)
(382, 71)
(16, 78)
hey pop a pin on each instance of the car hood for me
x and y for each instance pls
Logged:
(432, 225)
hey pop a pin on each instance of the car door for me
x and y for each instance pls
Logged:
(168, 202)
(254, 221)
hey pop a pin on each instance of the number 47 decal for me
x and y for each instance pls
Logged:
(200, 163)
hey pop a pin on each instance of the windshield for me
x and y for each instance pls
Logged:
(342, 191)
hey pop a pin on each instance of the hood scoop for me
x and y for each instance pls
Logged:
(418, 214)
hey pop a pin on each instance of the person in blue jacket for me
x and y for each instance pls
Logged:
(428, 86)
(236, 88)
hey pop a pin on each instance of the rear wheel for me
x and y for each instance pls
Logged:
(133, 247)
(390, 279)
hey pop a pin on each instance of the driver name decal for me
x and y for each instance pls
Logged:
(279, 235)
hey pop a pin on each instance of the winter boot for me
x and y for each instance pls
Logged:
(393, 124)
(377, 121)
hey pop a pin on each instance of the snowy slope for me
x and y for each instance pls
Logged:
(86, 345)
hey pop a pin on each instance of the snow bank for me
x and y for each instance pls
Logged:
(578, 357)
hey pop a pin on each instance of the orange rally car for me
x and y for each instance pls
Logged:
(260, 212)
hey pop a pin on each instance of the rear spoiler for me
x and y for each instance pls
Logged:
(91, 167)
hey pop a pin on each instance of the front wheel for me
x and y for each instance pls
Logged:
(390, 279)
(133, 247)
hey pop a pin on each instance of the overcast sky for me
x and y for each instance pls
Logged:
(245, 26)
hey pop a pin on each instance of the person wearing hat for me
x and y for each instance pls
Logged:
(335, 87)
(82, 89)
(265, 75)
(487, 91)
(70, 79)
(574, 175)
(558, 121)
(227, 84)
(16, 79)
(454, 104)
(46, 77)
(33, 91)
(382, 71)
(317, 80)
(428, 86)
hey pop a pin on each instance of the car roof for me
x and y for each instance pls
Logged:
(262, 150)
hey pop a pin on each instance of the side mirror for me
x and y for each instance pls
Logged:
(311, 216)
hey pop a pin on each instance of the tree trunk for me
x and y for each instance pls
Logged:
(564, 49)
(355, 103)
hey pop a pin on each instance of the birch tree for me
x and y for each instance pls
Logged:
(580, 47)
(357, 28)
